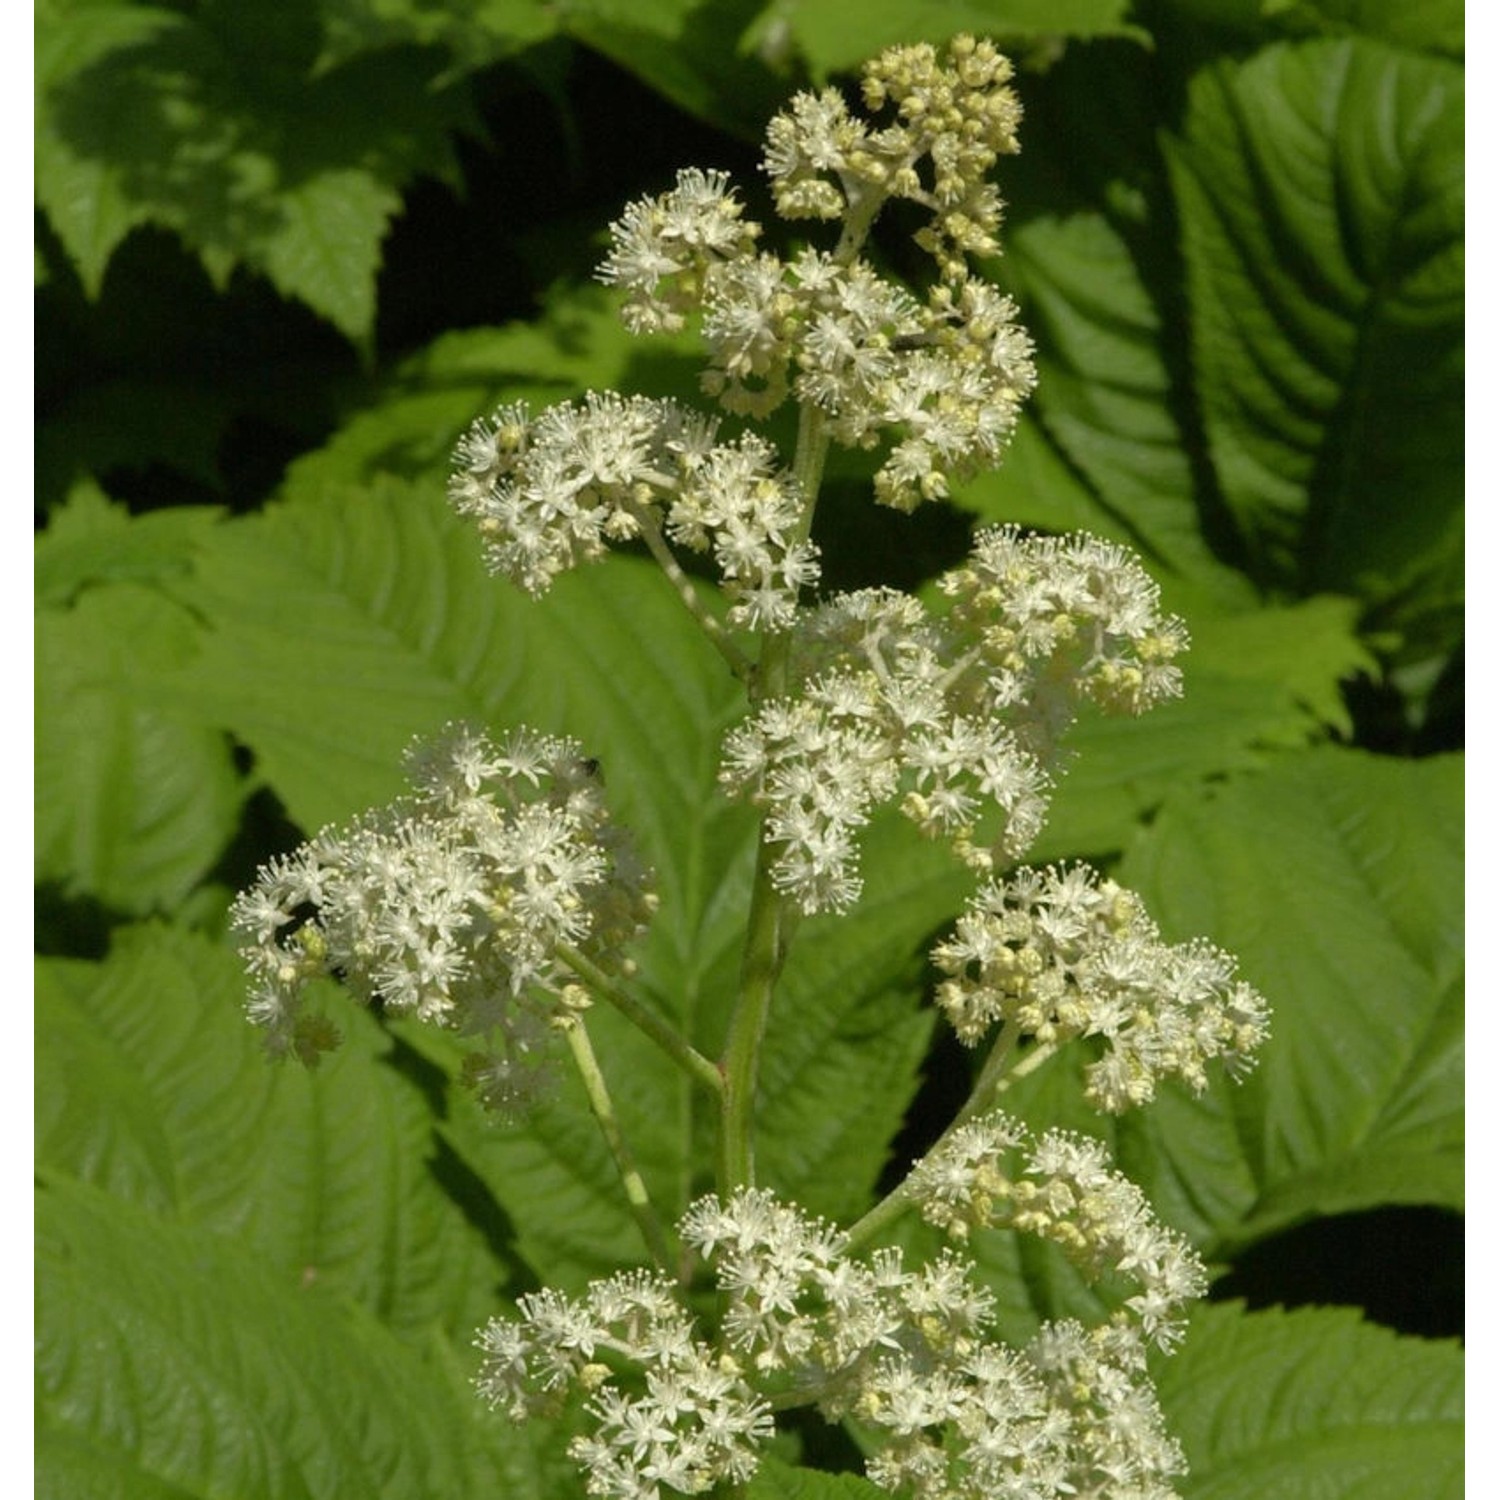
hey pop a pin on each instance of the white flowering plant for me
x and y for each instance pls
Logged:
(705, 1060)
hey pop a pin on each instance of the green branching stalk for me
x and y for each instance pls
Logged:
(719, 638)
(603, 1109)
(1000, 1070)
(767, 932)
(700, 1069)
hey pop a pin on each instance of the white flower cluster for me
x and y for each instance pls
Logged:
(1061, 1187)
(958, 717)
(451, 904)
(1060, 954)
(665, 248)
(553, 491)
(959, 1416)
(690, 1421)
(942, 378)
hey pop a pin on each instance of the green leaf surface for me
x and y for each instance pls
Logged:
(475, 32)
(775, 1480)
(832, 39)
(134, 803)
(1254, 682)
(1314, 1403)
(688, 50)
(86, 204)
(213, 124)
(153, 1086)
(173, 1362)
(422, 408)
(1105, 399)
(1320, 187)
(1335, 878)
(1433, 26)
(90, 539)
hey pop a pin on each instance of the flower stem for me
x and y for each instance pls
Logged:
(740, 664)
(604, 1112)
(768, 931)
(700, 1069)
(1000, 1070)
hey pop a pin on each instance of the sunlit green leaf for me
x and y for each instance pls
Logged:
(834, 39)
(91, 540)
(154, 1086)
(1314, 1403)
(173, 1361)
(1321, 194)
(1105, 399)
(1335, 878)
(212, 123)
(1254, 682)
(134, 802)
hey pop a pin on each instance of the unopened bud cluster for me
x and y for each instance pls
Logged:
(1061, 954)
(451, 904)
(956, 1414)
(955, 717)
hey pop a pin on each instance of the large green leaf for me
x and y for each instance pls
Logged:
(1320, 187)
(92, 540)
(1254, 682)
(134, 802)
(215, 124)
(1314, 1403)
(1335, 877)
(172, 1361)
(1434, 26)
(1105, 399)
(153, 1086)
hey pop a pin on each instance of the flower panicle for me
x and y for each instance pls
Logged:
(956, 1414)
(956, 719)
(451, 904)
(1058, 954)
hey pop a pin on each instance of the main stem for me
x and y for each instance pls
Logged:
(766, 934)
